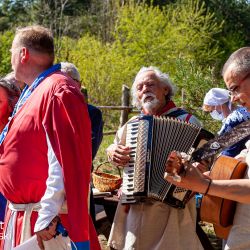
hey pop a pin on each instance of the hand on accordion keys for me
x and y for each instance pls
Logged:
(119, 154)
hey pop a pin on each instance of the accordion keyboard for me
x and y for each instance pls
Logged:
(128, 171)
(151, 139)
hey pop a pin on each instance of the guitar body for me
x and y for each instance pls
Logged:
(222, 232)
(219, 211)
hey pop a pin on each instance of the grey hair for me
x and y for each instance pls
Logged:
(71, 70)
(163, 78)
(238, 63)
(12, 79)
(13, 92)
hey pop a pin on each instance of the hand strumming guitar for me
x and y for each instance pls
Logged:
(191, 176)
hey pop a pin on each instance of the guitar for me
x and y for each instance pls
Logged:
(219, 211)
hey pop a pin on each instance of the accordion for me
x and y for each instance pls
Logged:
(151, 139)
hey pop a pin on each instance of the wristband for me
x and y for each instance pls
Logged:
(208, 186)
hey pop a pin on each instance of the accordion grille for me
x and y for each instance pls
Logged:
(168, 134)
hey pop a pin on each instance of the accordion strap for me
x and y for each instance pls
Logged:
(178, 112)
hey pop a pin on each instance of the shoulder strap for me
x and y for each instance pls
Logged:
(188, 117)
(178, 113)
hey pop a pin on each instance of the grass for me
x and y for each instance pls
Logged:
(102, 158)
(101, 154)
(209, 230)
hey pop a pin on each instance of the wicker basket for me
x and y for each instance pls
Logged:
(105, 182)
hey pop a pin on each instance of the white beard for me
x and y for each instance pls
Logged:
(150, 104)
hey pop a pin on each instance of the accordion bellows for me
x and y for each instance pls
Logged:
(151, 139)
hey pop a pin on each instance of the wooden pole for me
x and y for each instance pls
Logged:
(125, 103)
(182, 97)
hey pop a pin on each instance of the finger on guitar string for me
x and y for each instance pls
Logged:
(173, 163)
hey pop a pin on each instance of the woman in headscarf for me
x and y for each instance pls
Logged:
(217, 102)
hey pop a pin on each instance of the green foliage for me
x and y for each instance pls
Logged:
(5, 56)
(96, 63)
(109, 41)
(193, 83)
(101, 154)
(235, 15)
(14, 13)
(101, 72)
(175, 39)
(100, 18)
(193, 30)
(147, 35)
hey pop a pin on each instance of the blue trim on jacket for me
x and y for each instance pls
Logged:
(83, 245)
(2, 207)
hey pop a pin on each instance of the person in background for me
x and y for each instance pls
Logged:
(9, 95)
(152, 224)
(95, 115)
(236, 75)
(45, 175)
(217, 102)
(96, 124)
(11, 78)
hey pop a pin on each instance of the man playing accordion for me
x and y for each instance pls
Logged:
(152, 224)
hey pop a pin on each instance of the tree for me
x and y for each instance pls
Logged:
(5, 55)
(13, 13)
(149, 35)
(235, 15)
(193, 82)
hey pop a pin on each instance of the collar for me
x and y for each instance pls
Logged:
(27, 91)
(168, 108)
(25, 95)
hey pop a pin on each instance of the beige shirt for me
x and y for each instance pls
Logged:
(239, 237)
(155, 226)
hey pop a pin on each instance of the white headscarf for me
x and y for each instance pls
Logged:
(216, 96)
